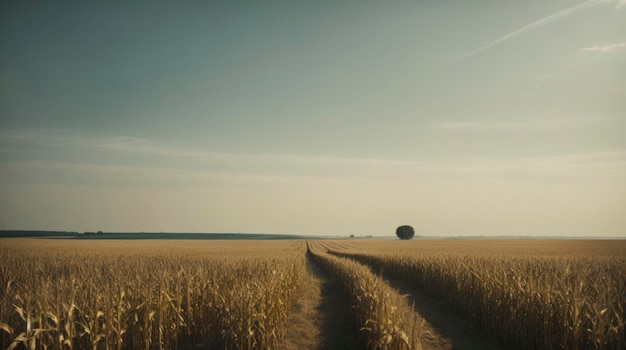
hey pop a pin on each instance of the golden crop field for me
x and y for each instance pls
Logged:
(531, 294)
(146, 295)
(525, 294)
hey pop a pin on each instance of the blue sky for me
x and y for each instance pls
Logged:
(327, 117)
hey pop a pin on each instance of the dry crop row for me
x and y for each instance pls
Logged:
(530, 302)
(382, 316)
(152, 299)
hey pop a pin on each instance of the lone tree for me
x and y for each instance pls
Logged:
(405, 232)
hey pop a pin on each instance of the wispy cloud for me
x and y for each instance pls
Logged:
(605, 165)
(503, 125)
(171, 164)
(607, 48)
(125, 145)
(532, 26)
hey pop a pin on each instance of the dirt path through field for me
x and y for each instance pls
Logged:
(320, 318)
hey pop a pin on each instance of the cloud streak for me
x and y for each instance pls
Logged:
(606, 48)
(504, 125)
(14, 140)
(199, 166)
(531, 27)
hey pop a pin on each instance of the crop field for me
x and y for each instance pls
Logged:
(165, 294)
(146, 295)
(530, 294)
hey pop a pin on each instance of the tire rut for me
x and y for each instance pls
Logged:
(320, 318)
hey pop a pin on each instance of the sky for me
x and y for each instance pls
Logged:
(314, 117)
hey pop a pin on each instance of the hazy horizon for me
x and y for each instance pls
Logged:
(314, 118)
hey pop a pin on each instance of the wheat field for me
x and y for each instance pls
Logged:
(524, 294)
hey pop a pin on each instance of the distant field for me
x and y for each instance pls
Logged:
(505, 247)
(148, 235)
(128, 294)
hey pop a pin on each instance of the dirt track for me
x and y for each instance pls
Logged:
(321, 318)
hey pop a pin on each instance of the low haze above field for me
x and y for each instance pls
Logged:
(314, 117)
